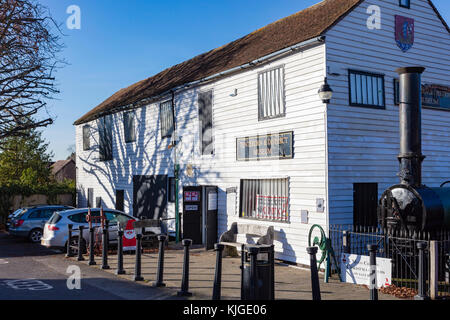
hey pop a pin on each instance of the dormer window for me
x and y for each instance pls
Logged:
(405, 3)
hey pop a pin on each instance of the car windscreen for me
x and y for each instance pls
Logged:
(54, 218)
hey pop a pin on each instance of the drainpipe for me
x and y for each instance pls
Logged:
(176, 171)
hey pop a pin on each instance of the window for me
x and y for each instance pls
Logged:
(366, 89)
(98, 202)
(265, 199)
(205, 116)
(166, 111)
(105, 137)
(129, 127)
(90, 199)
(120, 197)
(396, 92)
(405, 3)
(86, 136)
(171, 189)
(79, 217)
(271, 94)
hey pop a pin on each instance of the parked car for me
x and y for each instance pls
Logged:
(56, 230)
(11, 216)
(29, 223)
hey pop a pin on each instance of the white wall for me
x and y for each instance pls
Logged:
(364, 143)
(233, 117)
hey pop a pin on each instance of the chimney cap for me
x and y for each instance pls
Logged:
(410, 70)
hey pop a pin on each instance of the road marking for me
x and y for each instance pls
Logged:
(28, 284)
(3, 261)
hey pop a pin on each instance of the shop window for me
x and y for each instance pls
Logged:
(205, 115)
(271, 102)
(129, 126)
(166, 112)
(366, 89)
(405, 3)
(86, 138)
(265, 199)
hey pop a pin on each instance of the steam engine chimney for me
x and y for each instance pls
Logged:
(410, 156)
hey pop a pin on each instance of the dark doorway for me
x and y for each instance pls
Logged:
(192, 214)
(149, 196)
(120, 200)
(365, 202)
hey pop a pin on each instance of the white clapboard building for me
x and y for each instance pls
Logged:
(248, 119)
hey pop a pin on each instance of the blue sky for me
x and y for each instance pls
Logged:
(123, 41)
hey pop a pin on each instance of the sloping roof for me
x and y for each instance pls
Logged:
(59, 165)
(302, 26)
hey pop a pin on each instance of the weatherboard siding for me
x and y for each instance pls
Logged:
(233, 117)
(363, 143)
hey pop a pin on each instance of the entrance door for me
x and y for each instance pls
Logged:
(211, 198)
(149, 196)
(365, 202)
(192, 214)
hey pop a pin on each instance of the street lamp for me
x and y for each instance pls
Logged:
(325, 92)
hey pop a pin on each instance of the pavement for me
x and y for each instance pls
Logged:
(291, 282)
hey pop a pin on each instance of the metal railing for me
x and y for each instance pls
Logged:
(401, 248)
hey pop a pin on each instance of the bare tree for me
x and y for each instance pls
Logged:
(29, 44)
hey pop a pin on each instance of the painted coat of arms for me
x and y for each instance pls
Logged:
(404, 32)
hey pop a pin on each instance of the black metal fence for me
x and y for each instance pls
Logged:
(401, 248)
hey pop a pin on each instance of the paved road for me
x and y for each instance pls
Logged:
(29, 271)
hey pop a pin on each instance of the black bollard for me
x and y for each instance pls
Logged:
(346, 242)
(218, 275)
(312, 251)
(185, 281)
(160, 273)
(373, 271)
(120, 269)
(422, 246)
(105, 230)
(137, 266)
(69, 242)
(91, 247)
(80, 243)
(253, 253)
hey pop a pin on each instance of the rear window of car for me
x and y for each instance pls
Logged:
(54, 218)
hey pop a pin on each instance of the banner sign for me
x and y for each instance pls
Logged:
(271, 207)
(129, 237)
(266, 147)
(356, 269)
(436, 96)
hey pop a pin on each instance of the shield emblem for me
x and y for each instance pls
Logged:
(404, 32)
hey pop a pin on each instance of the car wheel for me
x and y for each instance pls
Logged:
(35, 235)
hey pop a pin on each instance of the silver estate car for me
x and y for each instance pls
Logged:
(29, 222)
(56, 230)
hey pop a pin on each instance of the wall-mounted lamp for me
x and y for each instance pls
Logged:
(235, 93)
(325, 92)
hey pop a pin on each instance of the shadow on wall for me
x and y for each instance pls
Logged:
(148, 155)
(287, 249)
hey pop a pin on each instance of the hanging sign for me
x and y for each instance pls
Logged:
(436, 96)
(129, 237)
(265, 147)
(404, 32)
(356, 269)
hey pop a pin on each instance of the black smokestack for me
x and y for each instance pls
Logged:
(410, 156)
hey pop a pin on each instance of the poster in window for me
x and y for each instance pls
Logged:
(272, 207)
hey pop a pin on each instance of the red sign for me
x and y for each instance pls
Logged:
(404, 32)
(129, 237)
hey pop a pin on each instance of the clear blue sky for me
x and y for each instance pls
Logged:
(123, 41)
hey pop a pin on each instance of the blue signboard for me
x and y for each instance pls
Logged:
(265, 147)
(436, 96)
